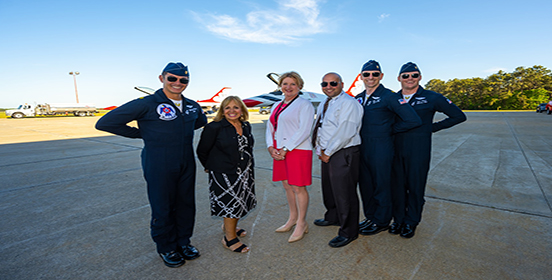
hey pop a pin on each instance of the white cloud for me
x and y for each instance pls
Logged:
(382, 17)
(292, 21)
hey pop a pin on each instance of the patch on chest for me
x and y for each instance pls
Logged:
(419, 101)
(166, 112)
(190, 109)
(373, 100)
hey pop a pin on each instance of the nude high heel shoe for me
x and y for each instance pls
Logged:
(297, 238)
(284, 228)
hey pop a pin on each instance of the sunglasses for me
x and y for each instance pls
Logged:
(173, 79)
(374, 74)
(414, 76)
(325, 84)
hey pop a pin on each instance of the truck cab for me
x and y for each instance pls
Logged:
(21, 111)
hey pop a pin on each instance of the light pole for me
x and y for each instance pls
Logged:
(75, 80)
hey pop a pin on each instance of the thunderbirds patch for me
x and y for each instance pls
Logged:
(166, 112)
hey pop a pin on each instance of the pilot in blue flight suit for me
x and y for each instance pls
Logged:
(166, 123)
(413, 149)
(385, 113)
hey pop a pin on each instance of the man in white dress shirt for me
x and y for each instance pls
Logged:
(337, 142)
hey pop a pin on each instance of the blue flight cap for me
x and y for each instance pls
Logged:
(409, 67)
(371, 65)
(178, 69)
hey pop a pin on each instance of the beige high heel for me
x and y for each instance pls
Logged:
(284, 228)
(297, 238)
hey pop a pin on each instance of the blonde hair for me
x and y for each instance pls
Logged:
(294, 75)
(244, 112)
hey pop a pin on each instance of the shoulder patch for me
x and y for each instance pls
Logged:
(402, 101)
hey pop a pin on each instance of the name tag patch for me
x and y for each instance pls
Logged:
(190, 109)
(419, 101)
(374, 100)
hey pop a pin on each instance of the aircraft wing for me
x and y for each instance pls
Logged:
(264, 100)
(268, 99)
(145, 90)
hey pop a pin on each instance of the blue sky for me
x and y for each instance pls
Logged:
(116, 45)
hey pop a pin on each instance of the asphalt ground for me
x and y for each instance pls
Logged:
(73, 206)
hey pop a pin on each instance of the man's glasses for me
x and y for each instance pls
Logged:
(414, 76)
(173, 79)
(332, 83)
(374, 74)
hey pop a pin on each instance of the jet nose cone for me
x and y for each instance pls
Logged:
(251, 102)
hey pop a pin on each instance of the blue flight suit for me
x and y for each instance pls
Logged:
(168, 161)
(385, 113)
(413, 154)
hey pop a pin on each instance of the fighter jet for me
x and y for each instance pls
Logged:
(268, 99)
(210, 104)
(265, 101)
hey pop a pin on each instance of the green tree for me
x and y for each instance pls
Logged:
(524, 88)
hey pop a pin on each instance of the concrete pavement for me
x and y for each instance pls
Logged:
(74, 206)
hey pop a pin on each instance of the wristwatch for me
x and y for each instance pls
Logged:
(285, 149)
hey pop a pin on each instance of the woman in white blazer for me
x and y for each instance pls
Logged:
(288, 138)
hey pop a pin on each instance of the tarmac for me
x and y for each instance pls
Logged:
(73, 206)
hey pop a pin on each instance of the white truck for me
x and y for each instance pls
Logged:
(28, 110)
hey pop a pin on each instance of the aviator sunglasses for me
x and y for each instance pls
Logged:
(173, 79)
(414, 76)
(325, 84)
(374, 74)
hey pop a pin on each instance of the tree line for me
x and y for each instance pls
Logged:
(522, 89)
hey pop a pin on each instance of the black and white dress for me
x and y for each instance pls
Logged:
(233, 195)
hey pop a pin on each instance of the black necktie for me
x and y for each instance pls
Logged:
(319, 122)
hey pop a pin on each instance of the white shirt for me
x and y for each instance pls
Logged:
(340, 125)
(407, 96)
(177, 103)
(294, 126)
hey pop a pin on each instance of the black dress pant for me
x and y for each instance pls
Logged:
(339, 180)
